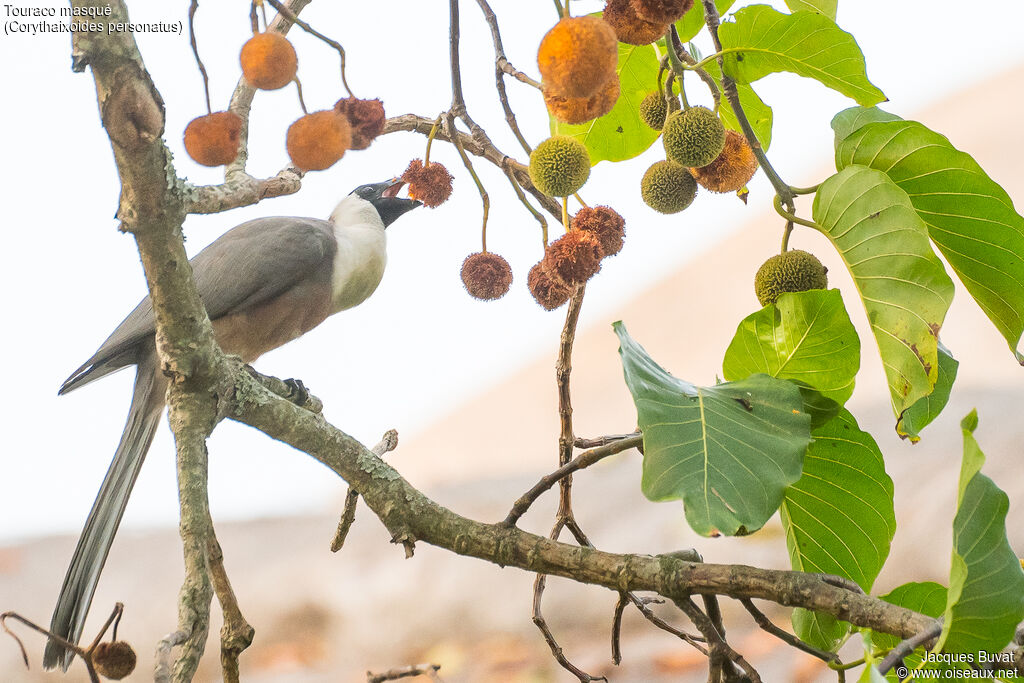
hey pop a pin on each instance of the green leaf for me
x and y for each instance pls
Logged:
(728, 451)
(986, 582)
(620, 134)
(848, 120)
(970, 217)
(758, 113)
(826, 7)
(693, 21)
(903, 285)
(838, 517)
(762, 41)
(805, 336)
(920, 415)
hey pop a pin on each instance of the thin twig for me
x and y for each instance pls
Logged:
(236, 634)
(294, 18)
(428, 670)
(484, 197)
(722, 654)
(387, 443)
(581, 461)
(766, 624)
(620, 607)
(500, 66)
(907, 646)
(195, 51)
(688, 59)
(602, 440)
(712, 20)
(529, 207)
(649, 615)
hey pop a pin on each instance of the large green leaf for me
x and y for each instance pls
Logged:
(758, 113)
(920, 415)
(620, 134)
(970, 217)
(986, 582)
(826, 7)
(838, 517)
(693, 21)
(805, 336)
(762, 41)
(728, 451)
(905, 289)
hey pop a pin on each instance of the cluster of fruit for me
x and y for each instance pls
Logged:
(314, 142)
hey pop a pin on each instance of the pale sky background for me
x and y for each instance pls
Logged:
(420, 345)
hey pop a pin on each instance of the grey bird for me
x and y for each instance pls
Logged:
(263, 283)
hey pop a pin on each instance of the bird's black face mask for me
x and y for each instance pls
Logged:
(382, 196)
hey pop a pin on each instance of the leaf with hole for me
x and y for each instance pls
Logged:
(904, 287)
(620, 134)
(727, 451)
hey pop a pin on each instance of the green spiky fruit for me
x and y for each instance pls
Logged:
(559, 166)
(653, 109)
(668, 187)
(790, 271)
(694, 137)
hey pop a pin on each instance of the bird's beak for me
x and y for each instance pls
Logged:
(387, 202)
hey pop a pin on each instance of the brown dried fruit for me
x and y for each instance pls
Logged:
(546, 292)
(431, 184)
(365, 118)
(269, 61)
(486, 276)
(573, 258)
(661, 11)
(114, 660)
(212, 140)
(583, 109)
(605, 224)
(733, 168)
(316, 141)
(630, 28)
(578, 56)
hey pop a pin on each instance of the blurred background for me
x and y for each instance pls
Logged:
(468, 385)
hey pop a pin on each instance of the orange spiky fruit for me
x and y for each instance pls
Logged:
(629, 27)
(430, 184)
(578, 56)
(212, 140)
(114, 660)
(318, 140)
(268, 61)
(604, 223)
(661, 11)
(486, 276)
(545, 290)
(583, 109)
(733, 168)
(365, 119)
(573, 258)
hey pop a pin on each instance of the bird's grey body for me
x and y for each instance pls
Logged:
(263, 283)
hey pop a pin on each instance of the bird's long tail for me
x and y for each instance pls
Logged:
(98, 535)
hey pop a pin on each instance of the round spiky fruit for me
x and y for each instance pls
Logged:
(573, 258)
(604, 223)
(365, 119)
(431, 184)
(316, 141)
(559, 166)
(212, 140)
(693, 137)
(578, 56)
(629, 27)
(661, 11)
(653, 109)
(114, 660)
(486, 276)
(583, 109)
(668, 187)
(546, 291)
(268, 61)
(733, 168)
(790, 271)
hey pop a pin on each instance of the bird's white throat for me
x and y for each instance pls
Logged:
(361, 256)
